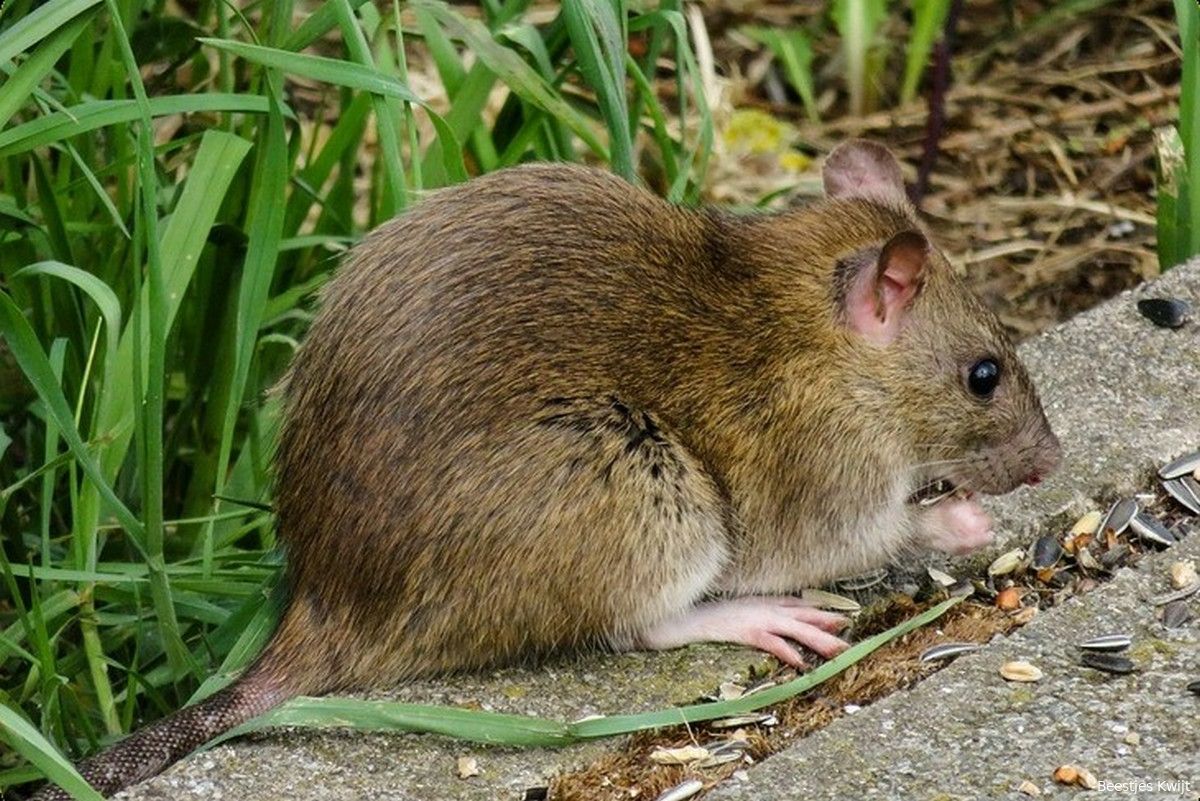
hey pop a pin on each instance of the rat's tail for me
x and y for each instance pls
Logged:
(151, 750)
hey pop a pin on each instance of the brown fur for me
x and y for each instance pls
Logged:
(546, 410)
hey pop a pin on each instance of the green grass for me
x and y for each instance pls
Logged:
(1179, 153)
(166, 214)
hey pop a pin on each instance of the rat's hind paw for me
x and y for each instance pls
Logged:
(766, 623)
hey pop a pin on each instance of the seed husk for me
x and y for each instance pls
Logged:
(1194, 687)
(1107, 642)
(1114, 556)
(753, 719)
(1164, 312)
(863, 582)
(1182, 493)
(1018, 670)
(1047, 551)
(1007, 562)
(467, 767)
(1178, 595)
(1106, 662)
(1183, 574)
(682, 791)
(1085, 559)
(1175, 614)
(828, 600)
(1086, 780)
(942, 578)
(1088, 523)
(948, 650)
(1188, 463)
(1119, 515)
(683, 755)
(1193, 485)
(1150, 530)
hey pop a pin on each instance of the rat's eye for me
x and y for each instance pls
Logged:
(983, 378)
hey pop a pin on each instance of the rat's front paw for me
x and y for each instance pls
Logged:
(958, 527)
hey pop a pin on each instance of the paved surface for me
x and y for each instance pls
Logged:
(1123, 396)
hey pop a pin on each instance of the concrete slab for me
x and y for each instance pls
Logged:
(1123, 396)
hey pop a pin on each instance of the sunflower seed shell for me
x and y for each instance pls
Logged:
(1150, 530)
(1181, 466)
(1107, 662)
(828, 600)
(1182, 493)
(1175, 614)
(682, 791)
(948, 650)
(1046, 551)
(1108, 642)
(1119, 515)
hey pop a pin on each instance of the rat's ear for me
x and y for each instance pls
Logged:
(859, 168)
(878, 293)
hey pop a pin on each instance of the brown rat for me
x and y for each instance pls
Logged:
(547, 411)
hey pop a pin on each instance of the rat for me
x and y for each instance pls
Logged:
(546, 411)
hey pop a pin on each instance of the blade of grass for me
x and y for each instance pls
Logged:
(519, 730)
(1187, 13)
(513, 71)
(39, 24)
(27, 741)
(599, 39)
(929, 17)
(794, 51)
(95, 114)
(17, 88)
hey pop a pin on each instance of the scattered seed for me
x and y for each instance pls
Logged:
(863, 582)
(1008, 599)
(1088, 524)
(1181, 492)
(1020, 671)
(1133, 738)
(717, 759)
(1183, 574)
(1114, 556)
(1029, 788)
(1164, 312)
(728, 691)
(1007, 562)
(962, 588)
(1108, 663)
(944, 579)
(679, 756)
(1066, 774)
(1047, 550)
(1086, 780)
(1194, 687)
(1119, 515)
(1178, 595)
(754, 719)
(1188, 463)
(1175, 614)
(757, 688)
(1085, 559)
(1025, 615)
(536, 794)
(948, 650)
(1108, 642)
(467, 767)
(828, 600)
(1150, 530)
(681, 791)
